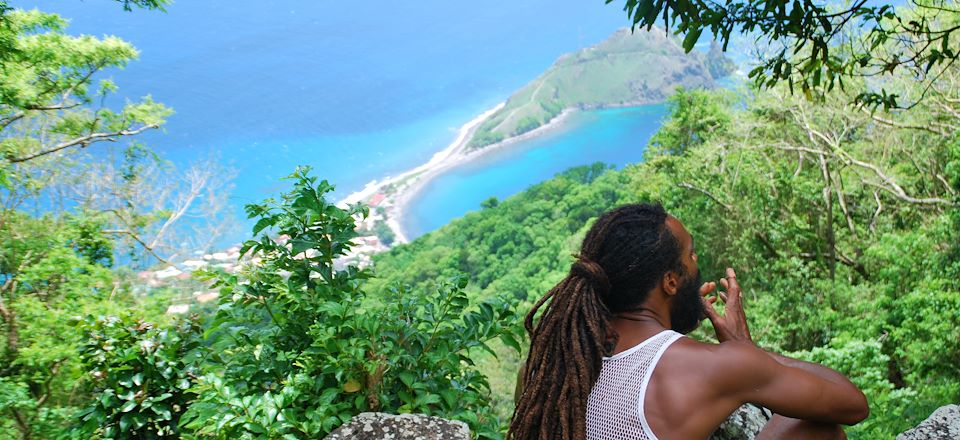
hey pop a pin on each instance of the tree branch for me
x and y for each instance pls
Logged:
(54, 369)
(876, 214)
(893, 187)
(4, 123)
(197, 181)
(136, 238)
(83, 141)
(22, 424)
(892, 123)
(706, 193)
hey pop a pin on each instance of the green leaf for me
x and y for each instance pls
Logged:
(129, 406)
(690, 40)
(407, 378)
(511, 342)
(125, 422)
(262, 224)
(299, 245)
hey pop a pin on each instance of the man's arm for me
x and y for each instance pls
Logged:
(804, 391)
(810, 367)
(789, 387)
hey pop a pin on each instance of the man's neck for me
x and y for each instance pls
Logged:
(636, 326)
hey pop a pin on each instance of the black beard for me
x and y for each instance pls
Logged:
(687, 309)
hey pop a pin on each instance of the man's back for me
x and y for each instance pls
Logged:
(615, 409)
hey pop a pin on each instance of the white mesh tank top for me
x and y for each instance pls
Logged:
(615, 405)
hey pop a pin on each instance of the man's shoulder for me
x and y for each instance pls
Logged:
(718, 359)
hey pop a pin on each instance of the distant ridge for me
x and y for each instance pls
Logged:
(627, 69)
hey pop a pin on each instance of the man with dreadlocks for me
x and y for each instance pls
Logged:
(608, 359)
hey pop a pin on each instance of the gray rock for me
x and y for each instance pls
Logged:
(943, 424)
(377, 426)
(743, 424)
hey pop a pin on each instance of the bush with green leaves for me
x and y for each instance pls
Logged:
(140, 373)
(298, 347)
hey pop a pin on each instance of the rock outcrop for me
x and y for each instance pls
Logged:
(943, 424)
(743, 424)
(377, 426)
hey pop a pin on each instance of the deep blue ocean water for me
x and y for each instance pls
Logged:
(358, 90)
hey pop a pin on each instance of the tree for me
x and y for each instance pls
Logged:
(49, 106)
(47, 101)
(59, 265)
(815, 46)
(155, 211)
(54, 122)
(50, 271)
(141, 372)
(696, 116)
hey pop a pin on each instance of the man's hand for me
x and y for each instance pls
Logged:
(732, 325)
(789, 387)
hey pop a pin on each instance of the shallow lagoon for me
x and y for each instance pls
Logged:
(614, 136)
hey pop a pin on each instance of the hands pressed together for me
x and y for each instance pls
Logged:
(732, 324)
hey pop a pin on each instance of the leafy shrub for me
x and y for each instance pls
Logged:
(299, 348)
(141, 374)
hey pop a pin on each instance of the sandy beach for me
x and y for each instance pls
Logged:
(396, 192)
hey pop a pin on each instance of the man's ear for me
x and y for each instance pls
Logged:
(671, 282)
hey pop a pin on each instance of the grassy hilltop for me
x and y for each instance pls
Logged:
(625, 69)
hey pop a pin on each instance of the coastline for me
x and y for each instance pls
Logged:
(405, 197)
(395, 193)
(390, 191)
(390, 198)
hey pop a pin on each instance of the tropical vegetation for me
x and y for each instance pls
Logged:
(843, 221)
(842, 224)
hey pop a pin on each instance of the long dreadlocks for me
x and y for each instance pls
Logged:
(622, 257)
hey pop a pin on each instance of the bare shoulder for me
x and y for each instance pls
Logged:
(697, 385)
(727, 353)
(727, 366)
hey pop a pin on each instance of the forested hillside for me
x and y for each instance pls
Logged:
(843, 226)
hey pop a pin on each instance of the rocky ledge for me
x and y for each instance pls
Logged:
(743, 424)
(377, 426)
(943, 424)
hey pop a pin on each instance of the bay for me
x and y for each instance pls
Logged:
(614, 136)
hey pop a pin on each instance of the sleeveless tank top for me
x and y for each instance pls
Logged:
(615, 405)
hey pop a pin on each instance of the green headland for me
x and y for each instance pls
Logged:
(627, 69)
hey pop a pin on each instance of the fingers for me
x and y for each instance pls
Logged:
(733, 287)
(731, 279)
(706, 288)
(711, 313)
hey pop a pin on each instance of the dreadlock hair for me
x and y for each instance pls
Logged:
(623, 256)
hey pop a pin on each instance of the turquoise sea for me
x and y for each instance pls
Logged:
(613, 136)
(358, 90)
